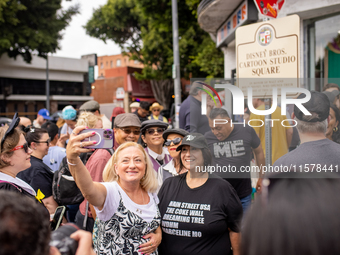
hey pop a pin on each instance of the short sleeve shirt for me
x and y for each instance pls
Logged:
(196, 221)
(235, 150)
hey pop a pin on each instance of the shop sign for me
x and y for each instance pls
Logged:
(120, 92)
(267, 55)
(244, 14)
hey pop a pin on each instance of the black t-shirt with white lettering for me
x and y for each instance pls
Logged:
(39, 176)
(196, 221)
(236, 151)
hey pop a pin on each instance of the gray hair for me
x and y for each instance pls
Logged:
(311, 127)
(195, 88)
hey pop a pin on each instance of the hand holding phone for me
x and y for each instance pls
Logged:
(57, 217)
(103, 137)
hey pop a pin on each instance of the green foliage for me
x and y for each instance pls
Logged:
(28, 26)
(143, 29)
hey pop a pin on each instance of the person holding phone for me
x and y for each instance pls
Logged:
(128, 219)
(39, 175)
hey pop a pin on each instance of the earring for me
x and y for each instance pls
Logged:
(335, 129)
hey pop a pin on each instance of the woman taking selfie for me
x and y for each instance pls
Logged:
(14, 158)
(127, 214)
(200, 214)
(173, 138)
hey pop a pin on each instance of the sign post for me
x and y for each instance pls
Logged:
(268, 56)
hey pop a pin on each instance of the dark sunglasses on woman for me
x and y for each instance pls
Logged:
(48, 141)
(24, 146)
(175, 141)
(151, 131)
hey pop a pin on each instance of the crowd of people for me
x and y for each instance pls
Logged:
(162, 190)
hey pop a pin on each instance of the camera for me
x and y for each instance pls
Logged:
(61, 239)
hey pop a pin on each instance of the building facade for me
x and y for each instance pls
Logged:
(319, 35)
(23, 85)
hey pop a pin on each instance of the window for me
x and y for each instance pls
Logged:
(107, 64)
(101, 65)
(324, 49)
(118, 62)
(111, 64)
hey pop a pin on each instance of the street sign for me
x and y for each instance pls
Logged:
(268, 56)
(120, 93)
(269, 8)
(173, 71)
(91, 74)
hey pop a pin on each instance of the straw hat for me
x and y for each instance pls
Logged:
(156, 105)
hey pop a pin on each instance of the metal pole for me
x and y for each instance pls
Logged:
(176, 72)
(47, 87)
(268, 134)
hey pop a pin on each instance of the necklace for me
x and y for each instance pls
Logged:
(139, 210)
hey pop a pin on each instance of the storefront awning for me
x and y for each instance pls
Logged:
(139, 88)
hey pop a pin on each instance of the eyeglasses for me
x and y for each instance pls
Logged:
(151, 131)
(47, 141)
(24, 146)
(12, 126)
(128, 131)
(156, 110)
(175, 141)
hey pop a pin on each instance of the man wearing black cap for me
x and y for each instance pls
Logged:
(126, 129)
(316, 151)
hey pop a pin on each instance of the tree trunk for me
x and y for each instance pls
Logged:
(163, 91)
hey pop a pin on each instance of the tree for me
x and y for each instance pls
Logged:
(143, 29)
(32, 27)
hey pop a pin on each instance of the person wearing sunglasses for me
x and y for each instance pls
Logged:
(201, 212)
(152, 141)
(156, 109)
(15, 156)
(173, 138)
(39, 175)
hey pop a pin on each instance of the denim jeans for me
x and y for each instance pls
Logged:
(246, 202)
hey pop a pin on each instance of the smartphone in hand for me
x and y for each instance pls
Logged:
(57, 217)
(103, 137)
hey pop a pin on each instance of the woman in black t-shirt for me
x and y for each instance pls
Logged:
(39, 175)
(200, 214)
(14, 158)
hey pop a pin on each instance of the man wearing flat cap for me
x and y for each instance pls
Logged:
(126, 129)
(94, 107)
(315, 151)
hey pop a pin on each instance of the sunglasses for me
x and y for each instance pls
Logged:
(175, 141)
(24, 146)
(48, 141)
(12, 126)
(156, 110)
(151, 131)
(128, 131)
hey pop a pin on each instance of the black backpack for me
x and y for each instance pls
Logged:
(64, 189)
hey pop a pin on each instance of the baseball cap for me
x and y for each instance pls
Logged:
(90, 106)
(195, 140)
(153, 123)
(331, 95)
(318, 104)
(51, 128)
(68, 113)
(44, 113)
(178, 131)
(127, 120)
